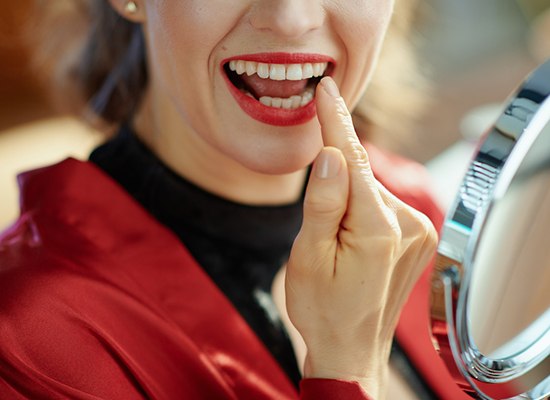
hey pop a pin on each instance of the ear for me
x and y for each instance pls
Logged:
(132, 10)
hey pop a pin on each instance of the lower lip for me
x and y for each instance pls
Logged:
(270, 115)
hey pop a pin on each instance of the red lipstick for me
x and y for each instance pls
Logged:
(272, 115)
(282, 58)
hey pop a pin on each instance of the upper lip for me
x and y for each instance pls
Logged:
(282, 58)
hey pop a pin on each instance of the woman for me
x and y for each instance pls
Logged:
(99, 297)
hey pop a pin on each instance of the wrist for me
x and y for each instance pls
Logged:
(369, 368)
(332, 389)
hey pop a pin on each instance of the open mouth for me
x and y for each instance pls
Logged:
(284, 86)
(276, 88)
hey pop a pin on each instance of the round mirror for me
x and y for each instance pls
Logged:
(491, 287)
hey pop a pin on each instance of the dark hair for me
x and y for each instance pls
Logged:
(108, 72)
(94, 59)
(112, 71)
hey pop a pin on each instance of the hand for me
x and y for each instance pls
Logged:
(358, 254)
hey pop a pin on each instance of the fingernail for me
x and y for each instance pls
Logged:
(327, 165)
(330, 87)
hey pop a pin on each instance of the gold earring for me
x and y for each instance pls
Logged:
(131, 7)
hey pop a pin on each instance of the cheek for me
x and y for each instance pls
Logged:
(183, 35)
(361, 27)
(187, 31)
(364, 18)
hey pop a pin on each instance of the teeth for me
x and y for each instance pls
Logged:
(276, 102)
(278, 72)
(290, 103)
(307, 70)
(240, 67)
(317, 69)
(286, 103)
(306, 98)
(251, 68)
(263, 70)
(295, 102)
(294, 72)
(266, 100)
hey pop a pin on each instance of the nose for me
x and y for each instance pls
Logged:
(287, 18)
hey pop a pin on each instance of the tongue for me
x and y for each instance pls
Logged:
(267, 87)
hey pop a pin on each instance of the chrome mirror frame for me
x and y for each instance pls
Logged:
(490, 173)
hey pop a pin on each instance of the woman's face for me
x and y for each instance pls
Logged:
(240, 74)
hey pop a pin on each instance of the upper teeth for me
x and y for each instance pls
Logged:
(278, 72)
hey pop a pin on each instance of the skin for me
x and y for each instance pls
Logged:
(360, 249)
(190, 121)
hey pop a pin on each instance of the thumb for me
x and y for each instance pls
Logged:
(326, 197)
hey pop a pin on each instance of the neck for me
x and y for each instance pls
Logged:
(165, 132)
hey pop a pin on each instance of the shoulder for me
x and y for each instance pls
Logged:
(45, 348)
(52, 306)
(69, 331)
(83, 296)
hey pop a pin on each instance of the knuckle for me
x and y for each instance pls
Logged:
(395, 232)
(356, 153)
(419, 234)
(353, 149)
(343, 112)
(431, 238)
(425, 235)
(390, 226)
(426, 226)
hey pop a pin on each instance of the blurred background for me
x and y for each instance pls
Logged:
(473, 52)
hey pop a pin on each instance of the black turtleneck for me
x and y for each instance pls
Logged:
(241, 247)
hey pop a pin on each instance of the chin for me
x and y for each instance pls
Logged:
(267, 149)
(281, 161)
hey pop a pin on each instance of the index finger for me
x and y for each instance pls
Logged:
(338, 131)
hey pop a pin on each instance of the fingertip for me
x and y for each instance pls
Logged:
(330, 87)
(334, 117)
(328, 97)
(329, 101)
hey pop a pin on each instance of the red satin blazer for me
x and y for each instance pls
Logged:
(100, 301)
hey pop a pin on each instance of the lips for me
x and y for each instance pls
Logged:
(276, 88)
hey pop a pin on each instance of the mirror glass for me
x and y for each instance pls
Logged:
(490, 299)
(509, 304)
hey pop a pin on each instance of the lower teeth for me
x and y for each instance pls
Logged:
(290, 103)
